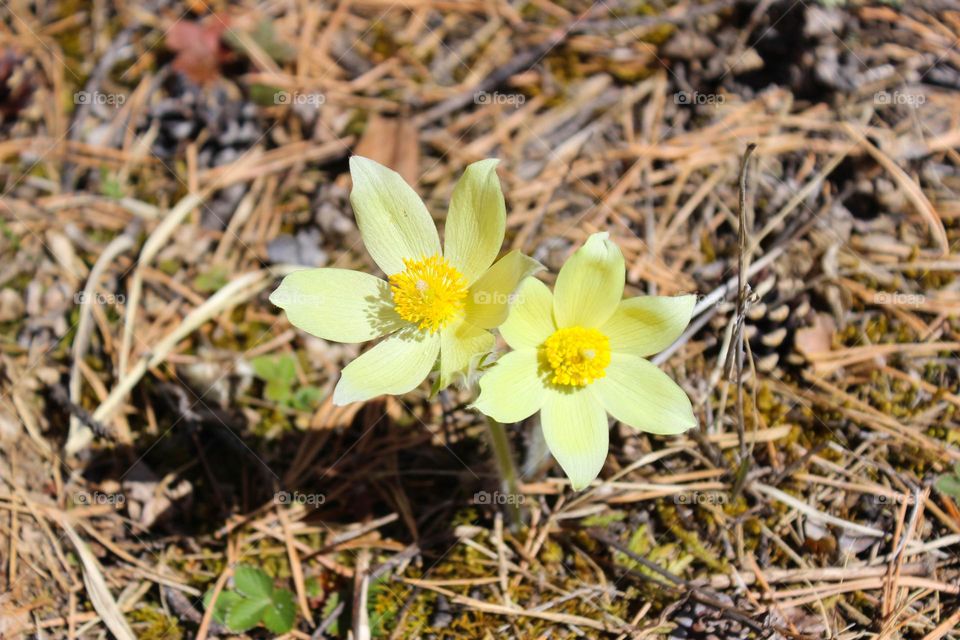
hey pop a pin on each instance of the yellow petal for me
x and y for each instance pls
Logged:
(475, 222)
(530, 321)
(590, 284)
(337, 304)
(575, 428)
(460, 343)
(395, 366)
(490, 297)
(512, 390)
(391, 216)
(640, 395)
(648, 324)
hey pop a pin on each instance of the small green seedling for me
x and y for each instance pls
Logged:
(110, 185)
(264, 36)
(949, 483)
(280, 375)
(253, 601)
(328, 608)
(213, 279)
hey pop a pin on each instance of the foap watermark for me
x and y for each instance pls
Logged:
(82, 297)
(99, 98)
(284, 297)
(296, 497)
(895, 499)
(701, 497)
(496, 297)
(718, 303)
(99, 497)
(697, 97)
(899, 97)
(298, 98)
(510, 99)
(899, 299)
(485, 497)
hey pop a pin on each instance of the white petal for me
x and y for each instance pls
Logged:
(475, 222)
(392, 218)
(648, 324)
(460, 344)
(337, 304)
(576, 430)
(395, 366)
(590, 284)
(530, 321)
(640, 395)
(512, 390)
(490, 298)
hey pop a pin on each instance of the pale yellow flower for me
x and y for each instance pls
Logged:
(432, 303)
(578, 354)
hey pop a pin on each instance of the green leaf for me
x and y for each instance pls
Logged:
(225, 601)
(246, 614)
(213, 279)
(280, 614)
(266, 38)
(286, 367)
(110, 186)
(280, 374)
(482, 364)
(314, 588)
(307, 398)
(252, 582)
(169, 266)
(435, 388)
(277, 391)
(948, 485)
(264, 95)
(281, 368)
(265, 367)
(328, 607)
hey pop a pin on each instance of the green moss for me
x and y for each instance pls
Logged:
(690, 539)
(153, 624)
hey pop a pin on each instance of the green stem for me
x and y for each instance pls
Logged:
(509, 483)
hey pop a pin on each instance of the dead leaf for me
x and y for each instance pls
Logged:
(816, 339)
(395, 143)
(199, 49)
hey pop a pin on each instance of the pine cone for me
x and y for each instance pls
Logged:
(17, 78)
(696, 621)
(779, 305)
(226, 124)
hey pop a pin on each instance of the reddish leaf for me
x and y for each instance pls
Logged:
(198, 47)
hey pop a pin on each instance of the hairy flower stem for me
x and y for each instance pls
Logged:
(509, 483)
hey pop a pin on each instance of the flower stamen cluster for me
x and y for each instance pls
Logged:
(430, 292)
(577, 356)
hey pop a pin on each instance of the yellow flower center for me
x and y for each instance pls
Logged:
(429, 293)
(577, 356)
